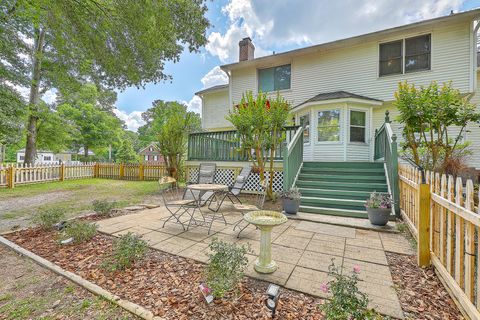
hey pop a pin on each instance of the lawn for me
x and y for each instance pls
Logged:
(17, 206)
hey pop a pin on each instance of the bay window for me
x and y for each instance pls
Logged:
(328, 125)
(358, 123)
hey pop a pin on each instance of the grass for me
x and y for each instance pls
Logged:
(73, 196)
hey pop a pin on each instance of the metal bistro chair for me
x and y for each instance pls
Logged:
(235, 190)
(244, 208)
(206, 174)
(173, 200)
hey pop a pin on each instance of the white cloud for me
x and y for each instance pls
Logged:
(50, 96)
(133, 120)
(214, 77)
(277, 24)
(195, 104)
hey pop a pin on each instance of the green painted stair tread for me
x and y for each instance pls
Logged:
(334, 212)
(343, 164)
(335, 194)
(356, 177)
(362, 171)
(380, 187)
(333, 203)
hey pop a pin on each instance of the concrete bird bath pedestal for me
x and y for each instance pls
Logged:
(265, 221)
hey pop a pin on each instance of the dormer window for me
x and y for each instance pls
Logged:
(406, 55)
(274, 79)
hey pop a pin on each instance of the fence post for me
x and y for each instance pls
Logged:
(11, 177)
(423, 246)
(96, 170)
(395, 184)
(141, 172)
(62, 172)
(122, 171)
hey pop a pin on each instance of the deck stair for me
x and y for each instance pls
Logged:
(339, 188)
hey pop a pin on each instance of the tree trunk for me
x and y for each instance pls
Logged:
(85, 152)
(31, 147)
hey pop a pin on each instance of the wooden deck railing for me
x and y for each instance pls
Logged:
(385, 148)
(20, 174)
(442, 213)
(292, 159)
(225, 146)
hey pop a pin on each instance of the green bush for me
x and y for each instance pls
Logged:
(126, 250)
(226, 267)
(47, 218)
(347, 302)
(103, 207)
(80, 231)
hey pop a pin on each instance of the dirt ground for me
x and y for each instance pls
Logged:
(28, 291)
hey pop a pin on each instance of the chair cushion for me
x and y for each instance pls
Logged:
(245, 207)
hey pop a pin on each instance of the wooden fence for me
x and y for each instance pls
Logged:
(20, 174)
(443, 215)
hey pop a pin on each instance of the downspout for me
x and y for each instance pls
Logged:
(474, 56)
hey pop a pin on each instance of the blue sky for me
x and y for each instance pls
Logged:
(272, 28)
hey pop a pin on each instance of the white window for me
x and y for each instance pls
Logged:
(358, 120)
(155, 158)
(146, 157)
(274, 79)
(150, 149)
(22, 158)
(47, 158)
(305, 123)
(328, 125)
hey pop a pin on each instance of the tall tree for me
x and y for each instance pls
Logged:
(115, 44)
(12, 113)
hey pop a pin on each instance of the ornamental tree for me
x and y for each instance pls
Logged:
(260, 123)
(434, 122)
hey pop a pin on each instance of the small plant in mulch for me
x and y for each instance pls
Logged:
(103, 207)
(347, 302)
(126, 250)
(48, 218)
(226, 266)
(80, 231)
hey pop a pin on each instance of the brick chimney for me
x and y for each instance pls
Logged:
(247, 49)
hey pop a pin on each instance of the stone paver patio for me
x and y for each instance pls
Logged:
(303, 251)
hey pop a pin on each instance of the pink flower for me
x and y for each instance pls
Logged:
(356, 269)
(324, 287)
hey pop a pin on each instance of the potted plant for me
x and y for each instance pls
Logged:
(291, 200)
(379, 208)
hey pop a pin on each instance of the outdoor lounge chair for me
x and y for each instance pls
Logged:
(244, 208)
(173, 200)
(234, 190)
(206, 174)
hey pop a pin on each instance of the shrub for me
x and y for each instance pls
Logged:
(347, 302)
(103, 207)
(47, 218)
(80, 231)
(126, 250)
(226, 266)
(379, 200)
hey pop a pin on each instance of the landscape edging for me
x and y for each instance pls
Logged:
(93, 288)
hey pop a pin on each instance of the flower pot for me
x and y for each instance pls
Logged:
(291, 206)
(378, 216)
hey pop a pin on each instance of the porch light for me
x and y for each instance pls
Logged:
(273, 292)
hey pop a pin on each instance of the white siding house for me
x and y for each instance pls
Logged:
(343, 88)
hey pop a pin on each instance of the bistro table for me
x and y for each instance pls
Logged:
(203, 189)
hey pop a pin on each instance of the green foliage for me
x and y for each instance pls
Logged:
(103, 207)
(104, 42)
(226, 266)
(260, 122)
(54, 131)
(126, 153)
(428, 115)
(127, 249)
(346, 302)
(47, 218)
(12, 114)
(80, 231)
(170, 123)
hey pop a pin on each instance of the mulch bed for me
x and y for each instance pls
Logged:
(421, 294)
(163, 283)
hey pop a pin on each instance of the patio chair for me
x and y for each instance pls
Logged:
(234, 190)
(244, 208)
(173, 200)
(206, 174)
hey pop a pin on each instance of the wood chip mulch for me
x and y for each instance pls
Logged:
(165, 284)
(421, 294)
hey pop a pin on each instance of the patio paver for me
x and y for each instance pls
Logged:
(302, 249)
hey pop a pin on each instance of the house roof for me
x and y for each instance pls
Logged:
(335, 96)
(348, 42)
(151, 144)
(220, 87)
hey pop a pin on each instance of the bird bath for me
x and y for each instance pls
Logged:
(265, 221)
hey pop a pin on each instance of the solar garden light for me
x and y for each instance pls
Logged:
(273, 292)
